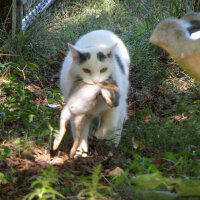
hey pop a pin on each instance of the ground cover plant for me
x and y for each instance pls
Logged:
(159, 155)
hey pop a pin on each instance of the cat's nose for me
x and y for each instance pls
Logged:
(95, 81)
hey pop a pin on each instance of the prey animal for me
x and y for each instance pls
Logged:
(81, 108)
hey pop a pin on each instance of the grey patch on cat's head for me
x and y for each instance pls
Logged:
(83, 57)
(119, 62)
(79, 56)
(109, 55)
(101, 56)
(110, 78)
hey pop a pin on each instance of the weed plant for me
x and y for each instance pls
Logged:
(42, 186)
(93, 186)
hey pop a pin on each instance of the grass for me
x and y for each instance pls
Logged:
(160, 142)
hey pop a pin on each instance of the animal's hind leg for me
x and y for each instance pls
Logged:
(80, 129)
(64, 117)
(83, 145)
(79, 122)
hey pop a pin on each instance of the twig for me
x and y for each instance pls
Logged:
(7, 54)
(110, 183)
(31, 45)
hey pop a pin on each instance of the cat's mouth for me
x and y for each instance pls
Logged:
(78, 79)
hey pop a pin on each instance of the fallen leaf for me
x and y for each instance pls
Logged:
(137, 144)
(116, 172)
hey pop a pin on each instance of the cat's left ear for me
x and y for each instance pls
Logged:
(110, 50)
(74, 51)
(78, 55)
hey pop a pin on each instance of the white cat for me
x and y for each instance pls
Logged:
(96, 57)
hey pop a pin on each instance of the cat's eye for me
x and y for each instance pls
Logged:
(103, 70)
(86, 70)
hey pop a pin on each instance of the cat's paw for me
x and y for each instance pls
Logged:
(101, 133)
(80, 154)
(82, 151)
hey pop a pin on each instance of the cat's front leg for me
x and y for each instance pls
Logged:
(112, 124)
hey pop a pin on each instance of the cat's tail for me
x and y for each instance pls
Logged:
(65, 116)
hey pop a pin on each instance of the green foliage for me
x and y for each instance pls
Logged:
(42, 187)
(2, 177)
(5, 152)
(151, 195)
(141, 165)
(153, 181)
(182, 163)
(10, 176)
(23, 144)
(165, 120)
(93, 186)
(168, 133)
(189, 188)
(155, 186)
(19, 104)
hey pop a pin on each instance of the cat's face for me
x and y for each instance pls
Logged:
(93, 65)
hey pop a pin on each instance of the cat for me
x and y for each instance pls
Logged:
(96, 57)
(81, 102)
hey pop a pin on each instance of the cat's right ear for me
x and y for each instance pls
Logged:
(75, 53)
(78, 55)
(111, 49)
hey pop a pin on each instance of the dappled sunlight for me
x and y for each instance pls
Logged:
(179, 84)
(25, 161)
(4, 80)
(41, 96)
(159, 149)
(67, 25)
(180, 118)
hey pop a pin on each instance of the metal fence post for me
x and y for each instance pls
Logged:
(22, 18)
(17, 15)
(14, 17)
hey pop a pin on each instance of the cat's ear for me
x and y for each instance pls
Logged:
(110, 50)
(75, 52)
(78, 55)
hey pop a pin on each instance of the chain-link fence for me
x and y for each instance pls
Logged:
(24, 12)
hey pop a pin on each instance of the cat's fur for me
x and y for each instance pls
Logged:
(96, 57)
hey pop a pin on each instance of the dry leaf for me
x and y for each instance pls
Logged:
(137, 144)
(116, 172)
